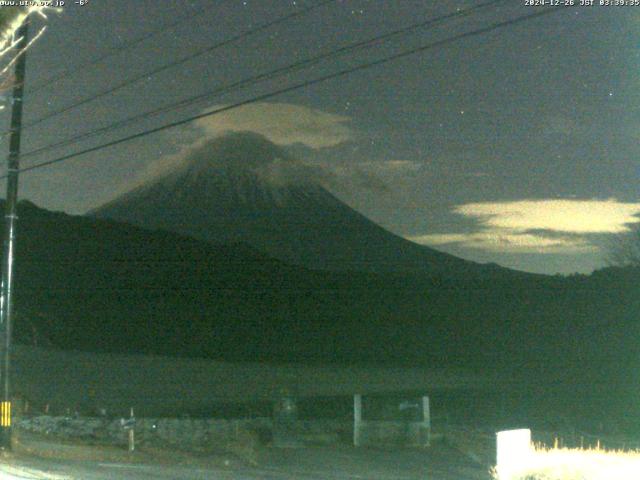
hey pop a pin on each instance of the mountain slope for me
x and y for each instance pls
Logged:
(243, 188)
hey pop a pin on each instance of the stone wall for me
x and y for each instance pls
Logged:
(179, 432)
(206, 433)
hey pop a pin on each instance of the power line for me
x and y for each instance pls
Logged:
(266, 96)
(224, 89)
(492, 27)
(114, 51)
(176, 63)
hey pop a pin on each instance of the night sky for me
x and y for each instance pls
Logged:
(518, 147)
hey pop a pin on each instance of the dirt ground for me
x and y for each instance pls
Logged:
(441, 461)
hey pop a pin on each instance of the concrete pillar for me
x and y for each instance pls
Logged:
(357, 419)
(513, 452)
(285, 417)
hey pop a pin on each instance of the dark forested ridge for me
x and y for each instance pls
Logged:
(95, 284)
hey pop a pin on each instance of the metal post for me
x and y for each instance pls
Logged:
(426, 420)
(357, 419)
(132, 433)
(285, 418)
(6, 297)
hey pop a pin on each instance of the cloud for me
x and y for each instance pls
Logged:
(281, 123)
(541, 226)
(379, 176)
(572, 216)
(513, 242)
(285, 125)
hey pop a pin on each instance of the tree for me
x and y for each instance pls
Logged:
(624, 251)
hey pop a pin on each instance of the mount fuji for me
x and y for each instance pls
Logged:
(243, 188)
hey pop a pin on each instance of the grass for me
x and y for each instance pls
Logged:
(576, 464)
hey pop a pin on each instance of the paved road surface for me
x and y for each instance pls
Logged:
(438, 463)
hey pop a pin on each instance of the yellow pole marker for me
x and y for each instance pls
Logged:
(5, 414)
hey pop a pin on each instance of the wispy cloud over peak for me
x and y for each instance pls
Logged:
(281, 123)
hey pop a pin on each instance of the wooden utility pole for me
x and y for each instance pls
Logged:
(6, 297)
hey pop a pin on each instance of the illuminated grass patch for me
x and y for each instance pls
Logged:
(574, 464)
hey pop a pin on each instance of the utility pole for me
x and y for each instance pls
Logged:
(6, 298)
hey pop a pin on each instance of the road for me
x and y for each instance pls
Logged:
(327, 463)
